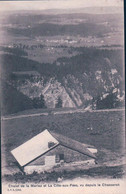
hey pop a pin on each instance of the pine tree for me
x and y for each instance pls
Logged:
(59, 103)
(39, 102)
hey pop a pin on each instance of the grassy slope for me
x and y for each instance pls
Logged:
(107, 132)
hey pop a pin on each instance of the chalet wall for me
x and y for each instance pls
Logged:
(69, 155)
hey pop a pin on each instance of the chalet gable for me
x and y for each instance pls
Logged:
(43, 143)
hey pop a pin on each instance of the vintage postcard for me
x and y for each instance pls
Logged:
(62, 97)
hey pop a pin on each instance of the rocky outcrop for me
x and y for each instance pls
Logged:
(74, 91)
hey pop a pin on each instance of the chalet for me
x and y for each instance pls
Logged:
(48, 150)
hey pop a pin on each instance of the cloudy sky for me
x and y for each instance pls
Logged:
(56, 4)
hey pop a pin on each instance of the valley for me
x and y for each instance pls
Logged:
(63, 70)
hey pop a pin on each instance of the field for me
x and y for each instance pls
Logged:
(104, 130)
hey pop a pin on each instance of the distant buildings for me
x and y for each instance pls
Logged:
(25, 74)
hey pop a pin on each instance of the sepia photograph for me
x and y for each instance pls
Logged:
(62, 95)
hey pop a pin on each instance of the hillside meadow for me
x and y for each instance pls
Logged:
(104, 130)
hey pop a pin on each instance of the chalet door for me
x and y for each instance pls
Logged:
(50, 160)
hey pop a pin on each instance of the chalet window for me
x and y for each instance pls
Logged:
(59, 157)
(50, 144)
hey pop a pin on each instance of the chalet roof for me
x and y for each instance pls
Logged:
(38, 145)
(33, 148)
(74, 145)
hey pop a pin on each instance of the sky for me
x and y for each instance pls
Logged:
(56, 4)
